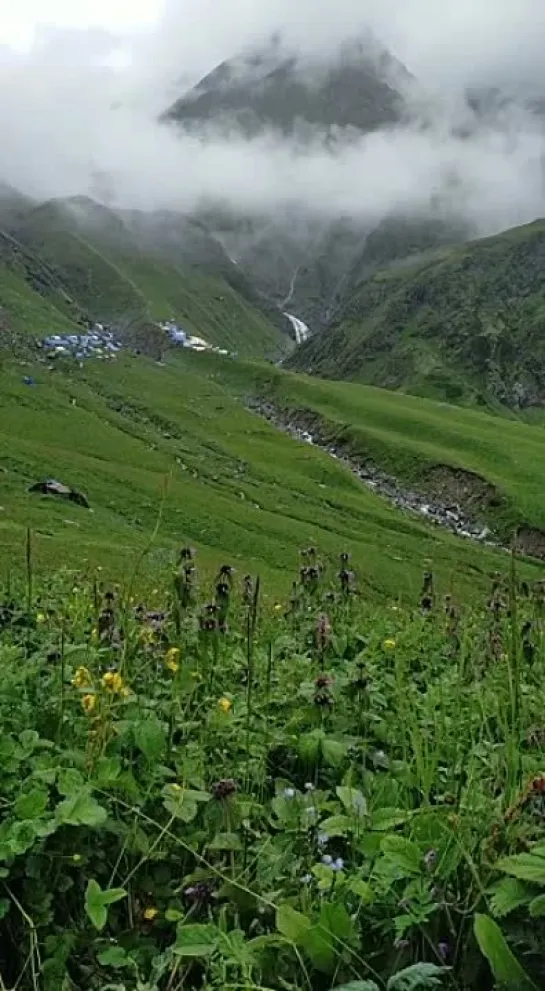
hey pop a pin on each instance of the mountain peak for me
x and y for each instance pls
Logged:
(271, 86)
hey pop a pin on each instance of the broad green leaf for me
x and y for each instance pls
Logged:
(310, 746)
(337, 826)
(508, 894)
(150, 738)
(32, 805)
(384, 819)
(183, 803)
(98, 901)
(108, 771)
(503, 964)
(353, 801)
(357, 986)
(418, 977)
(226, 841)
(362, 889)
(70, 781)
(291, 924)
(116, 957)
(174, 915)
(81, 809)
(403, 853)
(537, 907)
(331, 936)
(525, 866)
(333, 752)
(197, 940)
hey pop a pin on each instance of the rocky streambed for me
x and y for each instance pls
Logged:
(446, 514)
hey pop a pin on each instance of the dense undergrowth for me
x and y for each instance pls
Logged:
(197, 792)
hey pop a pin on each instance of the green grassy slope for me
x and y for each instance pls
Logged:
(108, 276)
(412, 437)
(465, 324)
(174, 446)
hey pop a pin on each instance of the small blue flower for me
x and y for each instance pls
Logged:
(327, 859)
(307, 879)
(338, 864)
(289, 792)
(309, 786)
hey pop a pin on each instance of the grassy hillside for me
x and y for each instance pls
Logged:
(102, 268)
(465, 324)
(173, 447)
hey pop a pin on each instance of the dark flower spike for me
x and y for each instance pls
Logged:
(224, 789)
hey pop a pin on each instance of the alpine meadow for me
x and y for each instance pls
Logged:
(272, 528)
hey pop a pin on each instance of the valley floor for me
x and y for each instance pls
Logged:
(168, 454)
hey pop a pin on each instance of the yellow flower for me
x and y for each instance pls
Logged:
(147, 635)
(225, 704)
(389, 644)
(82, 678)
(277, 607)
(40, 618)
(113, 682)
(89, 702)
(172, 659)
(150, 914)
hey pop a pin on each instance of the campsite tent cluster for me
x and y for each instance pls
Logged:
(180, 336)
(99, 342)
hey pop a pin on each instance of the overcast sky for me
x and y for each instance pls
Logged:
(81, 88)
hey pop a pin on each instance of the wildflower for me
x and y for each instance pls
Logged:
(172, 659)
(224, 789)
(76, 858)
(225, 704)
(200, 894)
(307, 879)
(113, 682)
(176, 786)
(89, 702)
(338, 864)
(150, 914)
(289, 793)
(389, 644)
(278, 607)
(40, 618)
(309, 786)
(323, 839)
(430, 860)
(82, 678)
(327, 859)
(147, 635)
(322, 632)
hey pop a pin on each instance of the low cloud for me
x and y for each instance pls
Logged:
(79, 114)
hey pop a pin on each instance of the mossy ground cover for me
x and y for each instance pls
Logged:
(202, 792)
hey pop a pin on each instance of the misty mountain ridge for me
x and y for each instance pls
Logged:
(269, 86)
